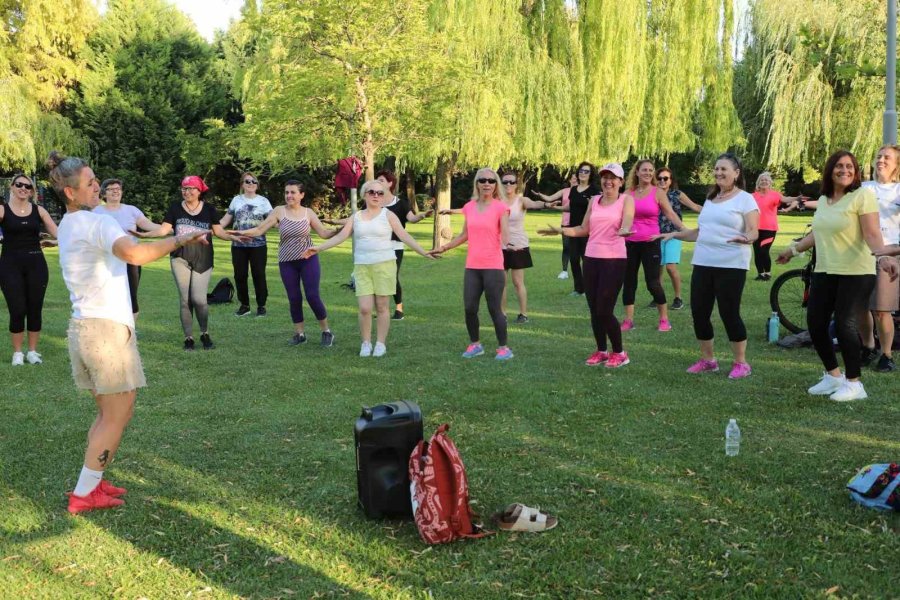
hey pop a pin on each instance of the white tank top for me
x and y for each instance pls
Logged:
(373, 239)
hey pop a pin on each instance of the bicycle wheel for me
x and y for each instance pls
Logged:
(787, 300)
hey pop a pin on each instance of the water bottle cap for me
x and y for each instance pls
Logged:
(730, 421)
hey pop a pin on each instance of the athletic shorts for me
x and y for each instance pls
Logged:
(379, 279)
(670, 252)
(517, 259)
(886, 295)
(104, 356)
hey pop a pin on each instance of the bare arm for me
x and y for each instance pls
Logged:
(163, 230)
(685, 201)
(667, 210)
(504, 230)
(404, 236)
(871, 230)
(751, 229)
(146, 224)
(226, 220)
(627, 214)
(582, 230)
(269, 222)
(450, 211)
(220, 233)
(47, 220)
(135, 253)
(797, 248)
(532, 205)
(555, 196)
(316, 224)
(459, 240)
(337, 238)
(415, 218)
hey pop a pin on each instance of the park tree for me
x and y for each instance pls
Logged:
(40, 60)
(151, 81)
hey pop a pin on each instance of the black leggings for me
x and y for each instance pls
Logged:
(489, 282)
(254, 260)
(134, 280)
(566, 248)
(845, 296)
(646, 254)
(603, 278)
(715, 285)
(398, 295)
(577, 246)
(761, 249)
(23, 279)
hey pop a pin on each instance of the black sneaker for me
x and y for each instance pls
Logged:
(867, 355)
(299, 338)
(261, 311)
(677, 304)
(521, 319)
(188, 344)
(243, 310)
(398, 315)
(207, 343)
(652, 304)
(885, 364)
(328, 339)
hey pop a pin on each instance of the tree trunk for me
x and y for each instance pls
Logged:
(443, 233)
(411, 190)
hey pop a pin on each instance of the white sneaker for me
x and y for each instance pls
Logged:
(851, 390)
(365, 349)
(828, 385)
(563, 275)
(18, 359)
(380, 349)
(33, 358)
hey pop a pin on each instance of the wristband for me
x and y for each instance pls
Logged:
(793, 249)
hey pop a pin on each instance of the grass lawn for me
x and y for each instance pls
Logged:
(240, 461)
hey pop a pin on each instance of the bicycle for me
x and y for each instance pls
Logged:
(790, 293)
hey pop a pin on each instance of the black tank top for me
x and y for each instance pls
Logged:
(21, 234)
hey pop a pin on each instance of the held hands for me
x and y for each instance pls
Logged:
(741, 239)
(49, 243)
(139, 234)
(195, 237)
(785, 257)
(890, 267)
(445, 211)
(624, 232)
(550, 230)
(892, 250)
(237, 235)
(436, 252)
(663, 237)
(310, 252)
(428, 213)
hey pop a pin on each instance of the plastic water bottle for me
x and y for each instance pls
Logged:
(774, 328)
(732, 438)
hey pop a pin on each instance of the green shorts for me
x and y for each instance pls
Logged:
(379, 279)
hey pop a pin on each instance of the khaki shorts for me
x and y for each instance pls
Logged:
(379, 279)
(104, 356)
(886, 295)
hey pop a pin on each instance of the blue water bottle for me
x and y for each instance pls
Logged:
(773, 328)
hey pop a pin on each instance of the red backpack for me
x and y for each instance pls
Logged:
(440, 491)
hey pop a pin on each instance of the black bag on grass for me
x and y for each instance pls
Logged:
(223, 293)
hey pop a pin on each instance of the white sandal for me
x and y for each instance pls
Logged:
(518, 517)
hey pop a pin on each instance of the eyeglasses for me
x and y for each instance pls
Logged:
(664, 178)
(23, 185)
(251, 182)
(507, 182)
(584, 170)
(113, 190)
(187, 189)
(375, 193)
(486, 180)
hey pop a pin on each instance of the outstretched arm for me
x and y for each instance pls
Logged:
(47, 220)
(316, 224)
(415, 218)
(336, 239)
(135, 253)
(685, 201)
(796, 248)
(462, 238)
(163, 230)
(404, 236)
(667, 210)
(269, 222)
(146, 224)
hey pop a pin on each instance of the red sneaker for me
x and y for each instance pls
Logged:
(597, 358)
(111, 490)
(96, 499)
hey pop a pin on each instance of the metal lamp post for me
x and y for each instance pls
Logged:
(889, 124)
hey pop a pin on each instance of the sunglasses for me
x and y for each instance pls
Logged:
(486, 180)
(664, 178)
(22, 184)
(251, 182)
(507, 182)
(375, 193)
(584, 170)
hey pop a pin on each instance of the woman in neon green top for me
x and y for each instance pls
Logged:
(845, 232)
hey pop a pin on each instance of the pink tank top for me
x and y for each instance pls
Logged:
(646, 216)
(604, 240)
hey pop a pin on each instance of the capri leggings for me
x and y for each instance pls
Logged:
(192, 287)
(644, 254)
(134, 280)
(489, 282)
(761, 249)
(23, 279)
(398, 295)
(603, 278)
(304, 271)
(716, 285)
(847, 297)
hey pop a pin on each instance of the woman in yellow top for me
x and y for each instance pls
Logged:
(845, 232)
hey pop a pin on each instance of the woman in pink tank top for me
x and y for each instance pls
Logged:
(642, 247)
(608, 219)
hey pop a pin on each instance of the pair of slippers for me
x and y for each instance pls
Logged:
(518, 517)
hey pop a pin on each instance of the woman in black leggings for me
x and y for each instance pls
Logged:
(579, 197)
(845, 233)
(23, 270)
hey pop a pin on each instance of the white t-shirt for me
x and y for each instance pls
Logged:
(96, 278)
(719, 222)
(888, 195)
(126, 215)
(247, 214)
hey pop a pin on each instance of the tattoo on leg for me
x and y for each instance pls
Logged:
(104, 457)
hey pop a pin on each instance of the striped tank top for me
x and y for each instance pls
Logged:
(294, 238)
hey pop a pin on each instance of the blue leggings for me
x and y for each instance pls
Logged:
(307, 271)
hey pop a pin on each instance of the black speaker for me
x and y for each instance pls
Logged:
(385, 436)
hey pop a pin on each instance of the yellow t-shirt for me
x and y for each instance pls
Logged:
(840, 246)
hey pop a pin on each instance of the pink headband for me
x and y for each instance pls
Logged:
(194, 182)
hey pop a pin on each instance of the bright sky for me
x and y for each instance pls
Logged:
(209, 15)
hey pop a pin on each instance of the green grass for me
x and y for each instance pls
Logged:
(240, 461)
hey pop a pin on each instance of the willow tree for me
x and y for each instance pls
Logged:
(40, 60)
(333, 78)
(819, 68)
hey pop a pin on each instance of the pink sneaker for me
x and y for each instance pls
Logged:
(704, 366)
(617, 359)
(739, 371)
(664, 325)
(597, 358)
(627, 325)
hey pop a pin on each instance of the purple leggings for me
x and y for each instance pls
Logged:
(306, 270)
